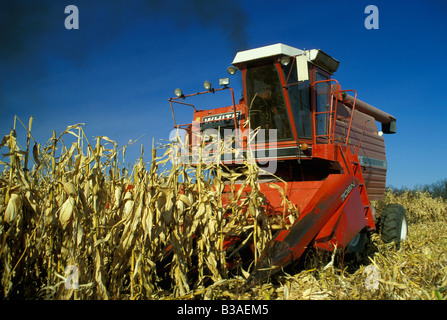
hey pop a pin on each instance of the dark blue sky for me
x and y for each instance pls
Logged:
(117, 71)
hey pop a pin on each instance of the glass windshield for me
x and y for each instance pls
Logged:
(265, 100)
(299, 96)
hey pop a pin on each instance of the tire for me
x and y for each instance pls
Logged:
(394, 224)
(357, 250)
(359, 243)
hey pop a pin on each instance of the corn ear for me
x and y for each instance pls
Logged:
(69, 188)
(13, 208)
(66, 212)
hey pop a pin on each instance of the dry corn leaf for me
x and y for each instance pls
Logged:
(122, 249)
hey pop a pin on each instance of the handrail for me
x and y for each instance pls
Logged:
(332, 111)
(212, 90)
(352, 113)
(172, 109)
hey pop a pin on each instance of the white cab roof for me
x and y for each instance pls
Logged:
(315, 56)
(265, 52)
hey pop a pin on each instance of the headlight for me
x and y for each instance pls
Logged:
(224, 82)
(285, 60)
(178, 92)
(232, 70)
(207, 85)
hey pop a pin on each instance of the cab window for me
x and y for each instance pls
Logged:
(265, 100)
(299, 96)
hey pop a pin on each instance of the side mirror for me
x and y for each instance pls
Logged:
(302, 70)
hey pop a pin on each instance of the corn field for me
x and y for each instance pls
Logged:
(114, 225)
(144, 232)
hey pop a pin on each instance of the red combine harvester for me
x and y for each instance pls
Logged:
(321, 140)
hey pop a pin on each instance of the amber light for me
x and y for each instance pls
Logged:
(304, 146)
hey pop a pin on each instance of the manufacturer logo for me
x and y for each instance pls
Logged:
(347, 191)
(221, 117)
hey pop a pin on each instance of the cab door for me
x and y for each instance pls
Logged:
(321, 103)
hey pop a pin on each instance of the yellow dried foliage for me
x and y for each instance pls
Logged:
(420, 206)
(78, 206)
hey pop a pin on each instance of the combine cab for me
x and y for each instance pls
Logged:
(304, 131)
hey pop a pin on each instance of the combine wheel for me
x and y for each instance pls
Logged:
(394, 224)
(358, 243)
(357, 249)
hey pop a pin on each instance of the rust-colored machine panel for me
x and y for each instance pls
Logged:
(365, 139)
